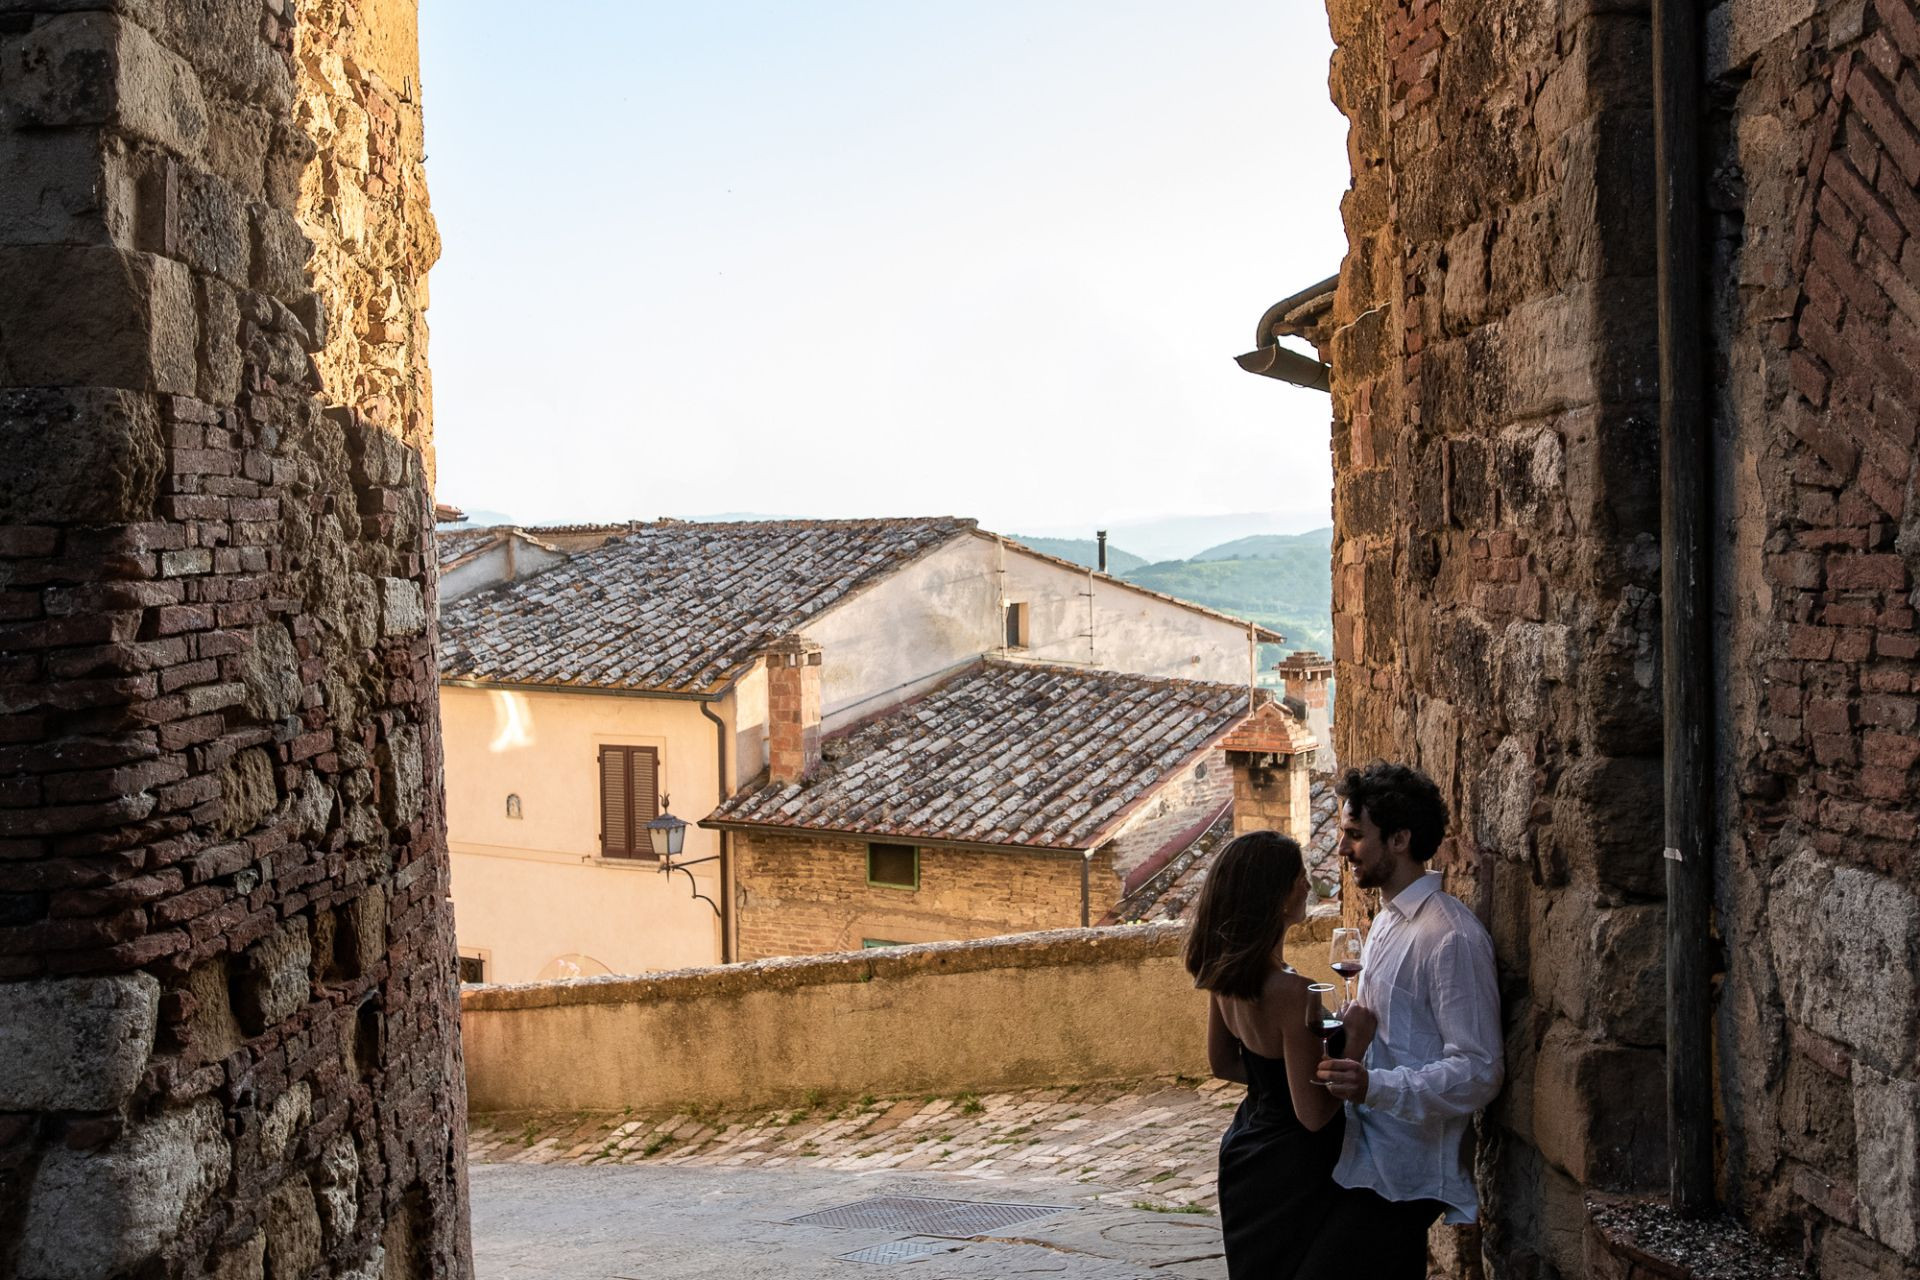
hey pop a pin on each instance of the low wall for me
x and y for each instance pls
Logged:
(944, 1017)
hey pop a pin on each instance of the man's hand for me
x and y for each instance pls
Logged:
(1360, 1022)
(1345, 1079)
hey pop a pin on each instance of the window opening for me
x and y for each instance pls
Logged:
(1016, 626)
(893, 866)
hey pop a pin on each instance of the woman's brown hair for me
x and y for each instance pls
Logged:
(1242, 914)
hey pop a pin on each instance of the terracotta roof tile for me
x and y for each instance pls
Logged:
(674, 606)
(1011, 753)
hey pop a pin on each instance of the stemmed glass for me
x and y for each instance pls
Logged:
(1321, 1021)
(1346, 956)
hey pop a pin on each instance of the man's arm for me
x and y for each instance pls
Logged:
(1466, 1006)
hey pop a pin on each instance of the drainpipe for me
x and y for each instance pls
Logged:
(727, 955)
(1086, 889)
(1685, 601)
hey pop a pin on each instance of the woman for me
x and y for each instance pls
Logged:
(1277, 1158)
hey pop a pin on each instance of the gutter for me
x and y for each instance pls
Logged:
(1686, 602)
(1271, 360)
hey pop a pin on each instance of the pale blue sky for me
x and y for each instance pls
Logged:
(842, 258)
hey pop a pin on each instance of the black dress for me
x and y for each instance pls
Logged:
(1276, 1176)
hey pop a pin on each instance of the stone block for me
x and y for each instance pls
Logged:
(101, 69)
(94, 316)
(1599, 1111)
(75, 1044)
(212, 1031)
(365, 934)
(280, 252)
(1629, 974)
(220, 365)
(403, 607)
(1610, 818)
(281, 1127)
(90, 455)
(62, 187)
(245, 1261)
(272, 978)
(214, 233)
(338, 1186)
(270, 671)
(402, 776)
(104, 1212)
(293, 1231)
(1886, 1125)
(1844, 940)
(248, 792)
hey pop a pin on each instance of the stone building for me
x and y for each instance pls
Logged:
(600, 672)
(1495, 388)
(227, 1020)
(1014, 797)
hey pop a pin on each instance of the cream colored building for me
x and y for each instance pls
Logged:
(575, 696)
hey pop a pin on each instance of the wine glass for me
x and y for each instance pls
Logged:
(1323, 1023)
(1346, 956)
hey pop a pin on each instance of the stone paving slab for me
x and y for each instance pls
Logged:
(656, 1221)
(1154, 1140)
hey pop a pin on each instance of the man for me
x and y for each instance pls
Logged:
(1427, 983)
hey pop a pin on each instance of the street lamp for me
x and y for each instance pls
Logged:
(668, 835)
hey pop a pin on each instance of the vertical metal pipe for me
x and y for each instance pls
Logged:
(1102, 536)
(728, 949)
(1685, 600)
(1086, 889)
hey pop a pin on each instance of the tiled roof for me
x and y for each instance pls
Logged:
(450, 545)
(1177, 890)
(1011, 753)
(673, 606)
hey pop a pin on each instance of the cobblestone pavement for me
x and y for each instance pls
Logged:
(1154, 1140)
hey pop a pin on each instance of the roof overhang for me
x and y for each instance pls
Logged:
(712, 823)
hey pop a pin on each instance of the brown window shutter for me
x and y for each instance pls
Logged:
(629, 800)
(616, 827)
(646, 794)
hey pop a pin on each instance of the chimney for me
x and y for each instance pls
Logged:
(1271, 756)
(1102, 536)
(1307, 675)
(793, 709)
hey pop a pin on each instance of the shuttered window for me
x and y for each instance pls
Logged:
(629, 800)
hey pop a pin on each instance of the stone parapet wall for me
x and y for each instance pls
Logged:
(227, 1024)
(958, 1017)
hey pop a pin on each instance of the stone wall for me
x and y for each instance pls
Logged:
(1496, 579)
(808, 894)
(1817, 267)
(1046, 1008)
(227, 1026)
(1496, 609)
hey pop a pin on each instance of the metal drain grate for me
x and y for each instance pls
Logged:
(927, 1217)
(900, 1251)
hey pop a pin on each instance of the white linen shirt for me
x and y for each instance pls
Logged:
(1427, 973)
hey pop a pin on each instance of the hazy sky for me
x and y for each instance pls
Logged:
(838, 258)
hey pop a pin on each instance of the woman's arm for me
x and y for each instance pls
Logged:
(1223, 1051)
(1287, 1002)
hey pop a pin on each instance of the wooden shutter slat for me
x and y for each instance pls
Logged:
(616, 827)
(646, 788)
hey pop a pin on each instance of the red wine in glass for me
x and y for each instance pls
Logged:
(1345, 957)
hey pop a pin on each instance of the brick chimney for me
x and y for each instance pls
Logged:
(793, 709)
(1269, 755)
(1307, 675)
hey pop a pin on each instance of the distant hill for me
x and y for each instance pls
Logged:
(1084, 551)
(1291, 592)
(1271, 546)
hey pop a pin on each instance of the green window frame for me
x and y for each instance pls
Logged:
(896, 855)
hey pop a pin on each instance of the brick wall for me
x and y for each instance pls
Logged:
(806, 895)
(1496, 589)
(225, 948)
(1818, 314)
